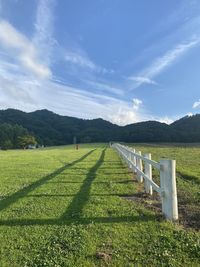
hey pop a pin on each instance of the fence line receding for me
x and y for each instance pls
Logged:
(142, 167)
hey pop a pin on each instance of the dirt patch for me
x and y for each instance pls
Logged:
(152, 202)
(103, 256)
(189, 213)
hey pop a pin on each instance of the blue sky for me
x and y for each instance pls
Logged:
(122, 60)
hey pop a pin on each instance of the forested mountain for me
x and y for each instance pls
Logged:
(53, 129)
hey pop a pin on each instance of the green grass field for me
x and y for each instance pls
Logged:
(62, 207)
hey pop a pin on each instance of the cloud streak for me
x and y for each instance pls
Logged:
(162, 63)
(99, 86)
(43, 37)
(142, 80)
(196, 104)
(80, 60)
(77, 57)
(170, 57)
(23, 50)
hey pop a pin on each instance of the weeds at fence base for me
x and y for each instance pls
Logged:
(189, 214)
(150, 202)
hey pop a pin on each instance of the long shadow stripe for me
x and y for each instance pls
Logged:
(76, 206)
(5, 203)
(89, 220)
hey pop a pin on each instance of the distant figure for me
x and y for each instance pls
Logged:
(77, 146)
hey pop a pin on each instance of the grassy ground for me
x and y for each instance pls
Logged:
(62, 207)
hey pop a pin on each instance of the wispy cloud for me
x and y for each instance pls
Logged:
(76, 56)
(170, 57)
(162, 63)
(43, 36)
(142, 80)
(18, 89)
(136, 103)
(196, 104)
(80, 60)
(105, 87)
(13, 90)
(23, 50)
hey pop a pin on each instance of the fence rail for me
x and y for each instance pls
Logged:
(142, 167)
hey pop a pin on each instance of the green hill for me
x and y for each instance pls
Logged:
(53, 129)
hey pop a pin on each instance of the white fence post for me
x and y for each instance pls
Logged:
(139, 166)
(134, 160)
(130, 158)
(168, 187)
(148, 172)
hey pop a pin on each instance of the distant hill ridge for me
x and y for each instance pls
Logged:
(54, 129)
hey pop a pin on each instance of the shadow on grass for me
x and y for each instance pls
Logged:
(74, 195)
(78, 220)
(5, 203)
(74, 212)
(189, 178)
(80, 199)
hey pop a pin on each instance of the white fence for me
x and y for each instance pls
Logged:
(167, 169)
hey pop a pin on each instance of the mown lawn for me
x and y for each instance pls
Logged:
(62, 207)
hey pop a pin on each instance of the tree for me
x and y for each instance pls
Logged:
(9, 135)
(26, 140)
(7, 144)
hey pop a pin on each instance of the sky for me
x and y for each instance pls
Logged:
(121, 60)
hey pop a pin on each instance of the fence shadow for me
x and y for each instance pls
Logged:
(78, 220)
(5, 203)
(189, 178)
(74, 212)
(80, 199)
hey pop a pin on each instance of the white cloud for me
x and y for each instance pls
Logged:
(43, 37)
(99, 86)
(169, 58)
(23, 50)
(142, 80)
(196, 104)
(40, 70)
(165, 119)
(124, 116)
(12, 90)
(163, 62)
(80, 60)
(136, 103)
